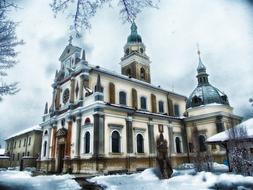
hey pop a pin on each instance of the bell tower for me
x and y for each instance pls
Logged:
(135, 63)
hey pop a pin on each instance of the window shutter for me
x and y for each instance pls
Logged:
(170, 107)
(134, 98)
(111, 93)
(153, 103)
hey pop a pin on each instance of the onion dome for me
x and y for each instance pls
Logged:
(134, 37)
(205, 93)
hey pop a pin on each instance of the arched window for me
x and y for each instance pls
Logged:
(115, 142)
(45, 133)
(87, 121)
(161, 106)
(140, 144)
(122, 98)
(142, 73)
(202, 145)
(45, 148)
(178, 145)
(87, 142)
(143, 103)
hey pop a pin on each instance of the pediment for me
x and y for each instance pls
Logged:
(69, 50)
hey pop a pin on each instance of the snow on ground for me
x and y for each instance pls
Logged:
(16, 180)
(2, 150)
(148, 180)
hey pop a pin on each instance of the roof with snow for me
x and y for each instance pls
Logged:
(224, 136)
(2, 151)
(33, 128)
(116, 74)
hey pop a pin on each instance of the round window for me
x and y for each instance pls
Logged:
(65, 97)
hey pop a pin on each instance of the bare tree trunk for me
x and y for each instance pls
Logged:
(202, 161)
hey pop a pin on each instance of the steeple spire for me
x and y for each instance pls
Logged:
(134, 37)
(133, 28)
(98, 86)
(201, 69)
(201, 66)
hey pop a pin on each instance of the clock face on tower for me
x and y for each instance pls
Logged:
(65, 96)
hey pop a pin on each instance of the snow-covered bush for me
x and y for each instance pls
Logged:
(238, 145)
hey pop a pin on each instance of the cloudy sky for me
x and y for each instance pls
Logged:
(223, 28)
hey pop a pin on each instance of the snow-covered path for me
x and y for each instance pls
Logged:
(148, 180)
(15, 180)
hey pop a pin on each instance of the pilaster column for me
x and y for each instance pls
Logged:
(72, 90)
(54, 126)
(78, 136)
(171, 141)
(129, 134)
(68, 143)
(151, 138)
(81, 87)
(53, 99)
(98, 134)
(48, 142)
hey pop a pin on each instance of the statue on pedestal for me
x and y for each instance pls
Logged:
(163, 160)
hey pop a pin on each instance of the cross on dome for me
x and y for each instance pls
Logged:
(70, 39)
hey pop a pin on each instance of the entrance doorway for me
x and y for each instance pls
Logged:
(61, 157)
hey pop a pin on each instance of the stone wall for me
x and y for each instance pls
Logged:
(29, 162)
(4, 162)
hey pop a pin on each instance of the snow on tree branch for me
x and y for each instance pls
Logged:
(82, 10)
(8, 42)
(131, 8)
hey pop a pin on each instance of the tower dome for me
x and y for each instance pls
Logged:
(134, 37)
(205, 93)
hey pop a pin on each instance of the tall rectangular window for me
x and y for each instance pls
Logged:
(161, 107)
(176, 110)
(122, 98)
(219, 127)
(24, 142)
(29, 141)
(143, 103)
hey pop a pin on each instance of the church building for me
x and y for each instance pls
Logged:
(100, 121)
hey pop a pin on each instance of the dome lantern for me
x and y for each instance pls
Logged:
(205, 93)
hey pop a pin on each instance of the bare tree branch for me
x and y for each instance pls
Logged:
(85, 9)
